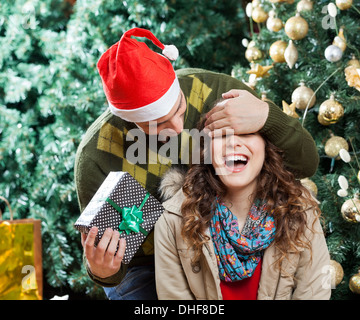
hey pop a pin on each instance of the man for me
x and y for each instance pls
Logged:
(144, 91)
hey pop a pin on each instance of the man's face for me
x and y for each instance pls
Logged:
(170, 124)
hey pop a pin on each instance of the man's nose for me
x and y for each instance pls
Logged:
(177, 124)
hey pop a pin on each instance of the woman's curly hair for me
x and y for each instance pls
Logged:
(286, 198)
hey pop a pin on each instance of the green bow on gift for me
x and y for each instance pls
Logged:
(131, 217)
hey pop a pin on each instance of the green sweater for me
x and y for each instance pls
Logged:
(103, 148)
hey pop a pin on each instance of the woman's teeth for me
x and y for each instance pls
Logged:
(236, 160)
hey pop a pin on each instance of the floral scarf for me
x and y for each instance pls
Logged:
(237, 253)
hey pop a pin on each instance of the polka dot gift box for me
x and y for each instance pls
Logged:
(121, 203)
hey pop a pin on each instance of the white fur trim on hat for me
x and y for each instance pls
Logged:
(170, 52)
(152, 111)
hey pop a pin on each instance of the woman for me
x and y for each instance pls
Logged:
(240, 228)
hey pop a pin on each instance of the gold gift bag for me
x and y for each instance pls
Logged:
(20, 258)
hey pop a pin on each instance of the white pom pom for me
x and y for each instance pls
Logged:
(171, 52)
(332, 10)
(343, 183)
(344, 155)
(248, 9)
(342, 193)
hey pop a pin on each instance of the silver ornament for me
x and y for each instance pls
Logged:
(333, 53)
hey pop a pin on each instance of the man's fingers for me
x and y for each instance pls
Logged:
(233, 93)
(83, 239)
(121, 251)
(89, 242)
(222, 123)
(214, 110)
(215, 116)
(103, 244)
(111, 249)
(225, 131)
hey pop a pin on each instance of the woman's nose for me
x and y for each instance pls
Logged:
(233, 141)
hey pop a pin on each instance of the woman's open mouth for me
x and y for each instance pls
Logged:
(236, 162)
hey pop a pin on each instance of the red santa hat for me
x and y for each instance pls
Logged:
(139, 84)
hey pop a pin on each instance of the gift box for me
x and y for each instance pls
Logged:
(122, 204)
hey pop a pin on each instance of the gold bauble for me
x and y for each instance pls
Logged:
(334, 145)
(331, 110)
(352, 76)
(304, 5)
(274, 24)
(350, 210)
(259, 15)
(354, 62)
(344, 4)
(253, 53)
(291, 54)
(337, 273)
(296, 27)
(302, 95)
(322, 121)
(354, 283)
(277, 50)
(352, 73)
(340, 40)
(310, 185)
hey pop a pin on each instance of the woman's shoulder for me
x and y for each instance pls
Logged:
(170, 190)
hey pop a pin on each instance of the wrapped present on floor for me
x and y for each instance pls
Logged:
(122, 204)
(21, 273)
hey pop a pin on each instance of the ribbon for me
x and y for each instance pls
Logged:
(131, 217)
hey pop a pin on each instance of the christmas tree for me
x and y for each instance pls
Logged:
(51, 93)
(304, 56)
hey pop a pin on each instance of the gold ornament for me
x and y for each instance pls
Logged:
(277, 50)
(337, 273)
(290, 110)
(358, 176)
(352, 73)
(253, 53)
(273, 23)
(340, 40)
(354, 283)
(331, 110)
(255, 3)
(344, 4)
(354, 62)
(350, 210)
(334, 145)
(302, 96)
(304, 5)
(322, 121)
(259, 71)
(291, 54)
(259, 15)
(310, 185)
(296, 27)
